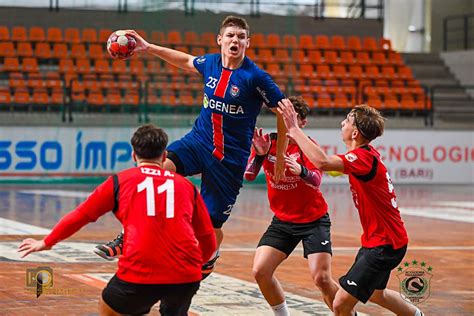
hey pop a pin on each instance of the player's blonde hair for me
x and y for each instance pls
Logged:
(368, 121)
(231, 20)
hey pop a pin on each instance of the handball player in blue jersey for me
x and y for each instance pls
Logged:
(218, 146)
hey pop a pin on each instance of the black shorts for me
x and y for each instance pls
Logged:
(136, 299)
(285, 236)
(371, 271)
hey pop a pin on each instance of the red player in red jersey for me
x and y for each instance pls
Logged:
(168, 233)
(300, 215)
(384, 239)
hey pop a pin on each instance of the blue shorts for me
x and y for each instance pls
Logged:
(220, 182)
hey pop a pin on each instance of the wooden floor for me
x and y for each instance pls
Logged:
(440, 227)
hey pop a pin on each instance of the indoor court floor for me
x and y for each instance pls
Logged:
(439, 220)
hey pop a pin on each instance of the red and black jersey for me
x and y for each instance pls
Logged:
(163, 217)
(293, 199)
(374, 197)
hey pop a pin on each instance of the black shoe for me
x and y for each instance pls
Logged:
(208, 267)
(110, 250)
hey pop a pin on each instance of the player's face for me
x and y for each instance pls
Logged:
(233, 41)
(348, 127)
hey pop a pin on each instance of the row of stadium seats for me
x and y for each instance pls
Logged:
(97, 51)
(191, 38)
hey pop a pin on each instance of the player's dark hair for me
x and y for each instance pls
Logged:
(300, 105)
(235, 21)
(149, 141)
(368, 121)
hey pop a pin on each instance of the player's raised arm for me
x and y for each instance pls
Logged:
(174, 57)
(314, 153)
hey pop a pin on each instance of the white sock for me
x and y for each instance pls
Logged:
(281, 309)
(418, 313)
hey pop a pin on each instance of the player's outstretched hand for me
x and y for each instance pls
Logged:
(30, 245)
(290, 117)
(260, 143)
(142, 44)
(292, 165)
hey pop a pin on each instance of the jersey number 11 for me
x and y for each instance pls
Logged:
(168, 186)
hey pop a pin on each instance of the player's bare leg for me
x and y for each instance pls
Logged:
(320, 269)
(392, 301)
(344, 303)
(265, 262)
(106, 310)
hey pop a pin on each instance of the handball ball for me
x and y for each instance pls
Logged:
(121, 45)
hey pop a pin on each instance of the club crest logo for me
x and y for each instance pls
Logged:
(205, 101)
(351, 157)
(200, 60)
(234, 91)
(415, 281)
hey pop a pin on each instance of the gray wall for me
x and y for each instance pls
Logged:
(461, 64)
(441, 9)
(201, 22)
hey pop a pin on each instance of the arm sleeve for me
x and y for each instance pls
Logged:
(98, 203)
(200, 63)
(268, 90)
(203, 229)
(356, 162)
(311, 176)
(253, 166)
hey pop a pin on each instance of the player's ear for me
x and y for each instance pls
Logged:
(165, 154)
(303, 123)
(134, 156)
(219, 39)
(248, 42)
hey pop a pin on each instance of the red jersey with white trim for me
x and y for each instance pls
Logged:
(292, 200)
(163, 216)
(374, 197)
(231, 103)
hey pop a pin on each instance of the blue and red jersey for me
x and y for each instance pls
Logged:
(231, 102)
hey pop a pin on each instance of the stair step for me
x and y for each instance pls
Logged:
(422, 58)
(438, 81)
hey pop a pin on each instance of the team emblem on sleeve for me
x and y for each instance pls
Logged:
(200, 60)
(234, 91)
(351, 157)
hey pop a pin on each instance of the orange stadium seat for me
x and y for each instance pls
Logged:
(24, 49)
(341, 101)
(306, 42)
(338, 42)
(290, 41)
(72, 35)
(289, 70)
(323, 72)
(208, 39)
(40, 96)
(95, 98)
(257, 40)
(4, 33)
(119, 66)
(370, 43)
(395, 58)
(102, 66)
(353, 43)
(363, 58)
(104, 35)
(131, 97)
(17, 81)
(7, 49)
(89, 35)
(83, 66)
(5, 97)
(330, 57)
(274, 70)
(307, 71)
(37, 34)
(19, 34)
(273, 40)
(322, 42)
(298, 56)
(96, 51)
(198, 51)
(60, 51)
(379, 58)
(372, 72)
(265, 56)
(30, 65)
(405, 73)
(57, 96)
(158, 37)
(191, 38)
(182, 48)
(43, 51)
(355, 72)
(53, 80)
(174, 38)
(391, 102)
(281, 56)
(54, 34)
(137, 67)
(66, 66)
(340, 71)
(347, 57)
(113, 97)
(35, 80)
(11, 64)
(21, 96)
(78, 51)
(388, 72)
(315, 57)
